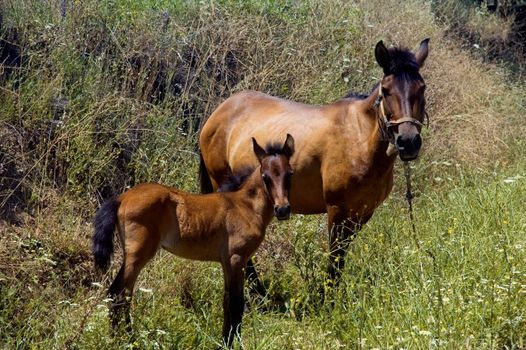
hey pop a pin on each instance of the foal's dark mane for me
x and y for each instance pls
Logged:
(403, 66)
(233, 182)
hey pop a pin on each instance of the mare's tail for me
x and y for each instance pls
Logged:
(204, 178)
(104, 224)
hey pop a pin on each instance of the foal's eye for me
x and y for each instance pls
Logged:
(385, 92)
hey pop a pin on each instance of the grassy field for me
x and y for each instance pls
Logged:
(111, 93)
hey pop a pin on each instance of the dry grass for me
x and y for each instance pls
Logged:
(490, 26)
(477, 115)
(476, 112)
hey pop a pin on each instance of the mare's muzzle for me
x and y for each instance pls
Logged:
(282, 212)
(408, 146)
(407, 140)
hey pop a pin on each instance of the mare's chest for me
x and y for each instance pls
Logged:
(361, 184)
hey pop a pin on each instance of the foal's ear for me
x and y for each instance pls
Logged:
(288, 146)
(382, 56)
(260, 152)
(422, 52)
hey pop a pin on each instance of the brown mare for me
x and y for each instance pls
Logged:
(226, 227)
(345, 151)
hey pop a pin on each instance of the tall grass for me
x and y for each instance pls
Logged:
(458, 283)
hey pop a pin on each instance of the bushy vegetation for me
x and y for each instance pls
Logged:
(495, 31)
(99, 95)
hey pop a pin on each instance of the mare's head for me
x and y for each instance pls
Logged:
(276, 174)
(401, 96)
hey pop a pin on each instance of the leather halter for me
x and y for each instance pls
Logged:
(390, 123)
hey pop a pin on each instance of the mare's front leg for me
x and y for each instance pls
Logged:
(255, 285)
(339, 239)
(341, 229)
(234, 299)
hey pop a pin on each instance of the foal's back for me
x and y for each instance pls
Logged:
(188, 225)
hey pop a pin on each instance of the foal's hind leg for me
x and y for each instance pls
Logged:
(234, 299)
(120, 305)
(140, 247)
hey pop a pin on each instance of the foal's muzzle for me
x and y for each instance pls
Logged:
(282, 212)
(408, 146)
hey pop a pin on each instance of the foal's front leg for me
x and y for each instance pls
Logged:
(233, 300)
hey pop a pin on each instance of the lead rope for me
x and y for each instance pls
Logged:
(409, 197)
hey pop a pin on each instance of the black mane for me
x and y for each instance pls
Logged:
(356, 95)
(233, 182)
(403, 61)
(359, 96)
(274, 149)
(403, 65)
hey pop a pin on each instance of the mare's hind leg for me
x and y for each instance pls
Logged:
(140, 247)
(341, 229)
(234, 299)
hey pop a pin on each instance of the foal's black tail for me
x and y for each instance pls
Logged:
(104, 224)
(204, 178)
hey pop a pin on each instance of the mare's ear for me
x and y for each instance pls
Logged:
(288, 146)
(382, 56)
(260, 152)
(422, 52)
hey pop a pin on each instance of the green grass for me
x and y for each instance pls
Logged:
(461, 286)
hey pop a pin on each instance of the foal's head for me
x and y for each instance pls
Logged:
(276, 173)
(401, 96)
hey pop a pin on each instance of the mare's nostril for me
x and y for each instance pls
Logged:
(417, 142)
(282, 212)
(400, 144)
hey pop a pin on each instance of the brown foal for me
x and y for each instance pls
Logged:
(226, 227)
